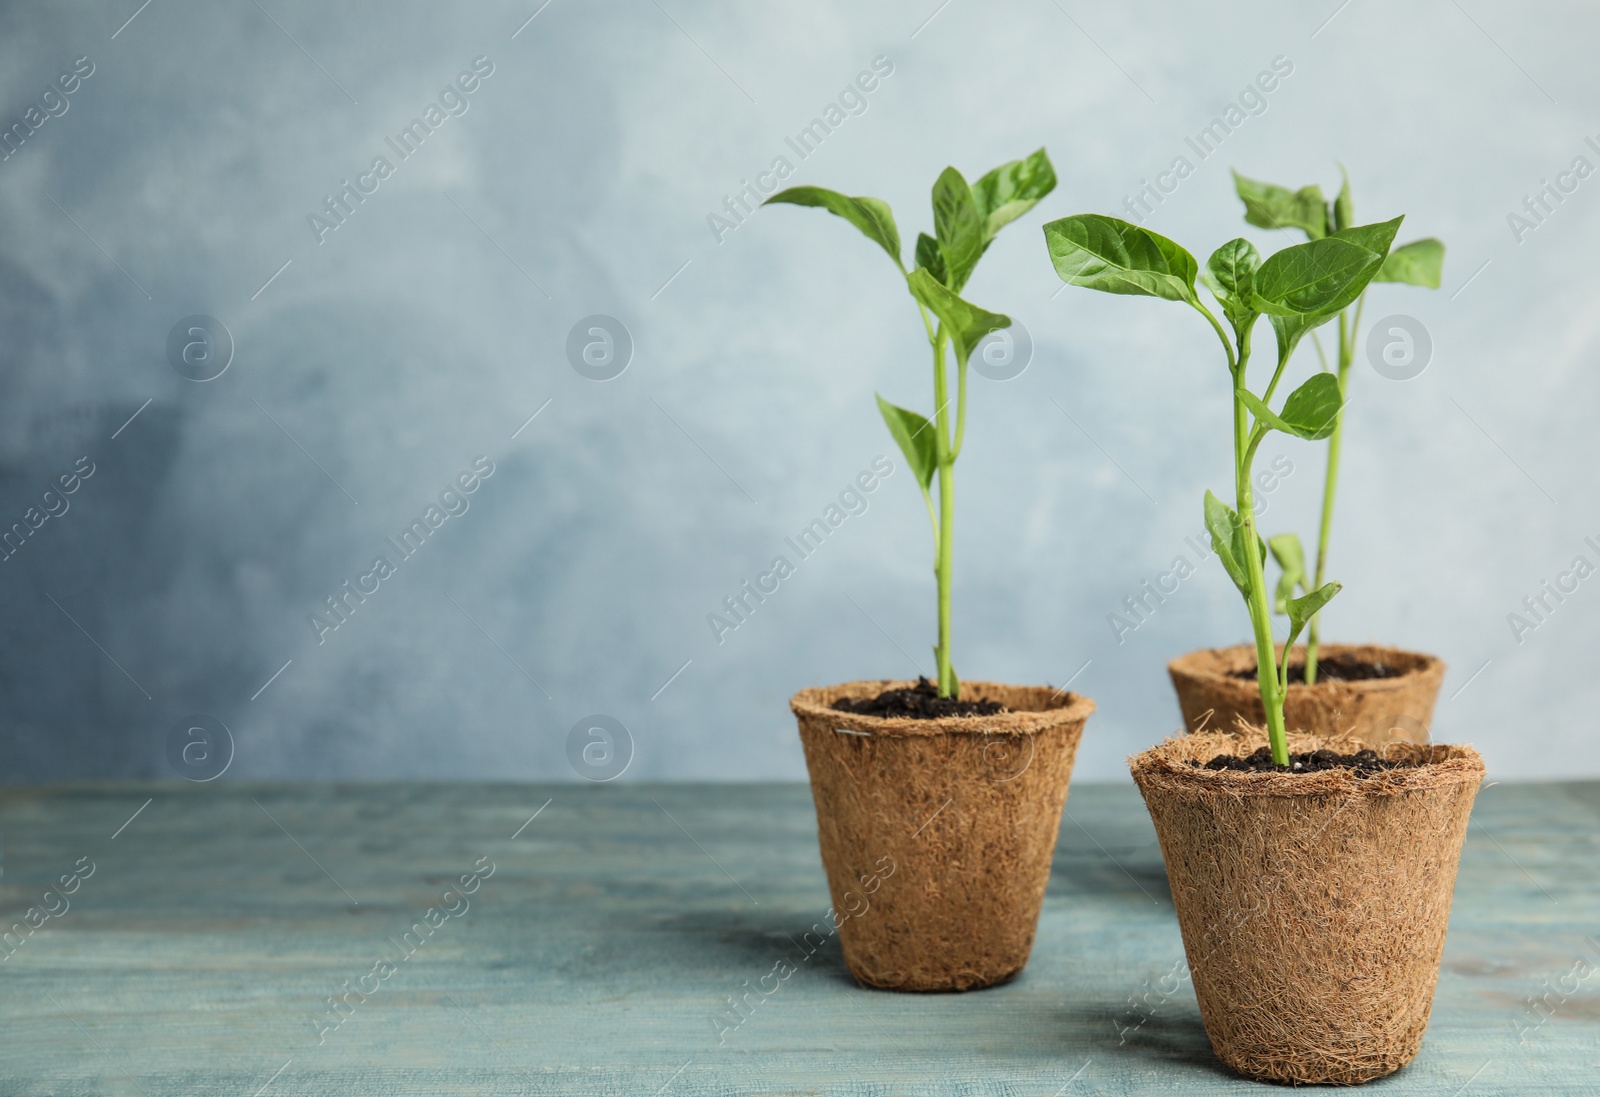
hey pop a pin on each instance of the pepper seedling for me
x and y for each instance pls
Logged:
(1298, 289)
(966, 219)
(1419, 263)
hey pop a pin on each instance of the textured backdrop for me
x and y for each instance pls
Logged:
(395, 325)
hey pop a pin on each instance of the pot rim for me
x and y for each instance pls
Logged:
(1166, 767)
(1425, 665)
(1061, 708)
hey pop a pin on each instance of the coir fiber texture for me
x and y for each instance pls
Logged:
(964, 808)
(1373, 711)
(1313, 906)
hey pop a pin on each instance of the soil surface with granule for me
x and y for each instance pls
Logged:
(1333, 668)
(919, 702)
(1362, 762)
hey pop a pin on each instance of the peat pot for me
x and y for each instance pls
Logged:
(1217, 688)
(1313, 906)
(937, 834)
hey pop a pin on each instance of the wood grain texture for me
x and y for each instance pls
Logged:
(200, 956)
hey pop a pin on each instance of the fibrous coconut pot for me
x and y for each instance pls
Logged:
(1217, 690)
(1313, 906)
(965, 810)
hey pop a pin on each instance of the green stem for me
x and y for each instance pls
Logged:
(1277, 375)
(961, 407)
(1347, 339)
(1222, 335)
(1244, 450)
(933, 520)
(933, 338)
(1322, 356)
(947, 499)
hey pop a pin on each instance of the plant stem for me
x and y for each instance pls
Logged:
(948, 686)
(1347, 339)
(1244, 450)
(961, 407)
(945, 460)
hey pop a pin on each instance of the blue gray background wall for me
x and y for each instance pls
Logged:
(425, 330)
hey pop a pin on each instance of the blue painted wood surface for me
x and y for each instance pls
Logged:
(200, 955)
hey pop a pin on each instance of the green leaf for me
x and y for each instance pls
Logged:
(870, 215)
(1011, 190)
(1263, 413)
(1377, 237)
(916, 440)
(1226, 536)
(1113, 256)
(1232, 267)
(1312, 410)
(1314, 279)
(1292, 560)
(1230, 272)
(963, 321)
(929, 255)
(1291, 329)
(958, 227)
(1344, 206)
(1272, 207)
(1302, 609)
(1419, 263)
(1291, 325)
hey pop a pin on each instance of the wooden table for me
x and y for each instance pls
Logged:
(200, 955)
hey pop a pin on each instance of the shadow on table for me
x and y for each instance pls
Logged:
(1169, 1038)
(750, 944)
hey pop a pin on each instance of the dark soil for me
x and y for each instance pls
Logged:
(920, 702)
(1363, 762)
(1333, 668)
